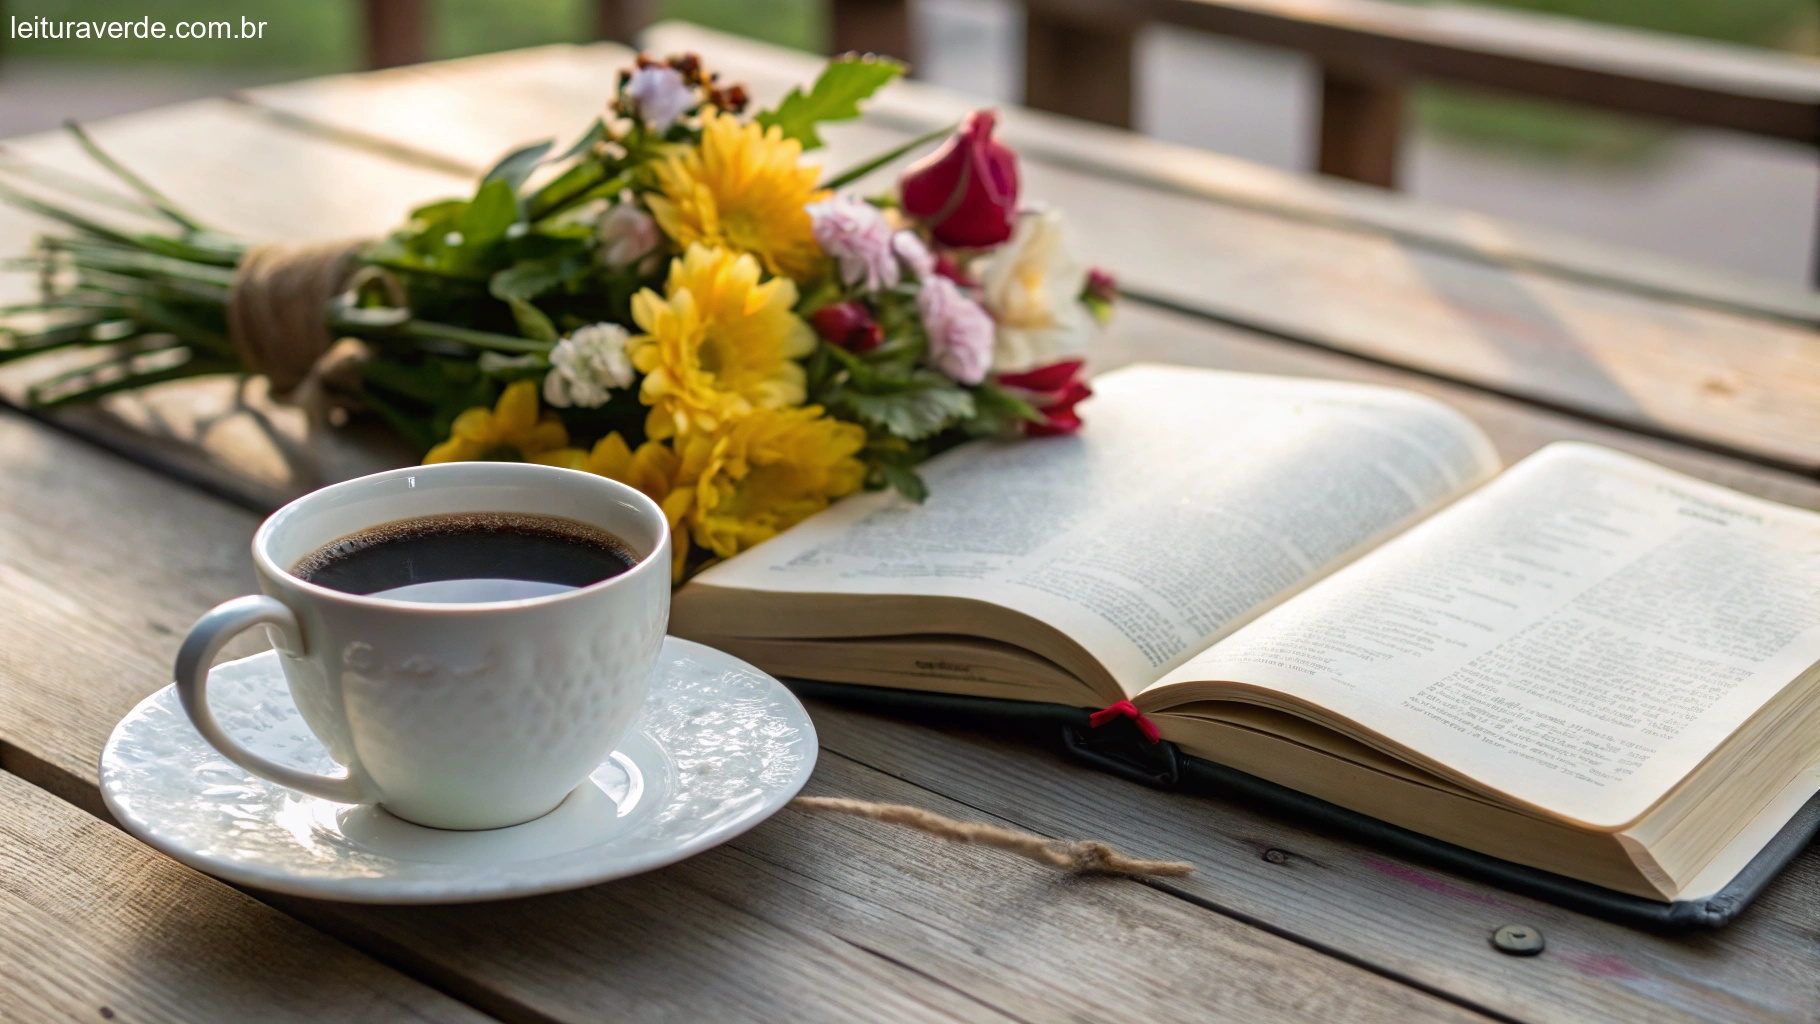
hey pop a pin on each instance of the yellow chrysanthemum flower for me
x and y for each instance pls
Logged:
(761, 474)
(512, 427)
(743, 188)
(717, 344)
(651, 469)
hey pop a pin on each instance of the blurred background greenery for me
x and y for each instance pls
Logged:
(317, 37)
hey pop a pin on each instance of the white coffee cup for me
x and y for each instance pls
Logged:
(454, 715)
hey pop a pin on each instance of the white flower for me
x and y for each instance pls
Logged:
(960, 331)
(586, 365)
(1032, 286)
(914, 254)
(856, 234)
(661, 94)
(627, 234)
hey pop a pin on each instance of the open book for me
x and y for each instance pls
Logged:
(1586, 664)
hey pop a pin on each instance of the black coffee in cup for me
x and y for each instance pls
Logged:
(467, 557)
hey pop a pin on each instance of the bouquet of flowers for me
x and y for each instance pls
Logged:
(678, 301)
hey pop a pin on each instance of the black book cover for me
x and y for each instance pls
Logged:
(1119, 747)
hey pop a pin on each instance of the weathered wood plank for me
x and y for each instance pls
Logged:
(807, 916)
(1416, 922)
(568, 78)
(1713, 376)
(94, 926)
(1737, 382)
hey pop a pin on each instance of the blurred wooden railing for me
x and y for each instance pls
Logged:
(1080, 55)
(1078, 60)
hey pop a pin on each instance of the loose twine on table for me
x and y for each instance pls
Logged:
(1080, 856)
(277, 313)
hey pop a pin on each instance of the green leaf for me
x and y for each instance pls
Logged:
(532, 322)
(997, 411)
(910, 414)
(443, 213)
(527, 279)
(835, 96)
(493, 209)
(905, 481)
(509, 368)
(516, 166)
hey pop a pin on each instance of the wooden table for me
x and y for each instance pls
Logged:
(119, 524)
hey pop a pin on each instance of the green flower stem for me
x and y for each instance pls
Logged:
(576, 180)
(98, 306)
(51, 177)
(853, 174)
(94, 279)
(68, 218)
(484, 340)
(195, 367)
(149, 265)
(76, 333)
(164, 206)
(126, 351)
(161, 317)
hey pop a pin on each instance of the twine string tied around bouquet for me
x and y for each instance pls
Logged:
(277, 310)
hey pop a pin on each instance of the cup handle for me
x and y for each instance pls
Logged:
(197, 655)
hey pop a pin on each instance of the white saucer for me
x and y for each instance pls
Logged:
(720, 747)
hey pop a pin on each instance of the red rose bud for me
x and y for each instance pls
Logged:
(1101, 287)
(965, 191)
(849, 325)
(1054, 390)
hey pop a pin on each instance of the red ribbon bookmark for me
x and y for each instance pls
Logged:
(1126, 709)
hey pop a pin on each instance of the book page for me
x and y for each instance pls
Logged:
(1577, 635)
(1191, 501)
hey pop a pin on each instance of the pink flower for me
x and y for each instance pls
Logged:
(856, 234)
(627, 234)
(959, 329)
(849, 325)
(965, 191)
(661, 95)
(1054, 390)
(914, 254)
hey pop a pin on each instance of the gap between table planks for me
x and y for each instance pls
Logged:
(808, 916)
(95, 926)
(1456, 296)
